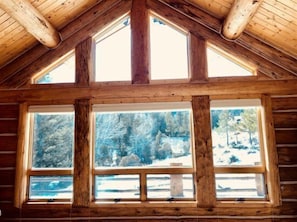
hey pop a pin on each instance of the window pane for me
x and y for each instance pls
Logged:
(170, 186)
(169, 59)
(220, 65)
(240, 186)
(117, 187)
(50, 187)
(113, 54)
(53, 136)
(64, 73)
(235, 136)
(138, 139)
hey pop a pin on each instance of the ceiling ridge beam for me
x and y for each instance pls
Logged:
(33, 21)
(241, 12)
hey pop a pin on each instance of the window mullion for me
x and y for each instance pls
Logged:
(40, 172)
(257, 169)
(206, 195)
(81, 176)
(143, 186)
(140, 47)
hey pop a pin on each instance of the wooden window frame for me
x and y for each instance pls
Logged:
(144, 171)
(44, 171)
(267, 152)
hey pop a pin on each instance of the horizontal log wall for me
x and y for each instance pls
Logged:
(8, 146)
(285, 123)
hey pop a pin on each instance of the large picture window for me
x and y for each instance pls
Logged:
(143, 152)
(51, 153)
(238, 149)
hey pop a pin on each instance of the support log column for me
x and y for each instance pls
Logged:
(82, 179)
(140, 42)
(206, 195)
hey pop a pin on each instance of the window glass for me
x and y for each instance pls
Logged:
(53, 135)
(220, 65)
(117, 187)
(235, 136)
(63, 73)
(245, 185)
(237, 149)
(170, 187)
(169, 59)
(51, 145)
(113, 53)
(50, 187)
(143, 138)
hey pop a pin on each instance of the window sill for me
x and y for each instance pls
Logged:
(145, 204)
(41, 204)
(245, 203)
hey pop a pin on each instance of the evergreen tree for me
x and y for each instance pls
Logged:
(53, 140)
(249, 123)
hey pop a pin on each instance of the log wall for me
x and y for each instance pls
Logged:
(284, 109)
(285, 123)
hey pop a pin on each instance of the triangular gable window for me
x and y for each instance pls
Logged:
(64, 72)
(113, 53)
(222, 65)
(169, 59)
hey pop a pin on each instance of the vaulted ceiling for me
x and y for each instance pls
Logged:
(272, 23)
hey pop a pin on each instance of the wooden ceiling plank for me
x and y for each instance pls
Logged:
(273, 17)
(289, 3)
(4, 18)
(33, 21)
(263, 49)
(273, 26)
(239, 16)
(212, 7)
(281, 10)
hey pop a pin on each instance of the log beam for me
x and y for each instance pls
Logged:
(239, 16)
(32, 20)
(143, 93)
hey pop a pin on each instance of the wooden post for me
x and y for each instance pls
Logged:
(273, 184)
(198, 58)
(206, 193)
(81, 178)
(84, 62)
(21, 159)
(140, 54)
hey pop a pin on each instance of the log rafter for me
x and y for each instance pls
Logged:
(33, 21)
(239, 16)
